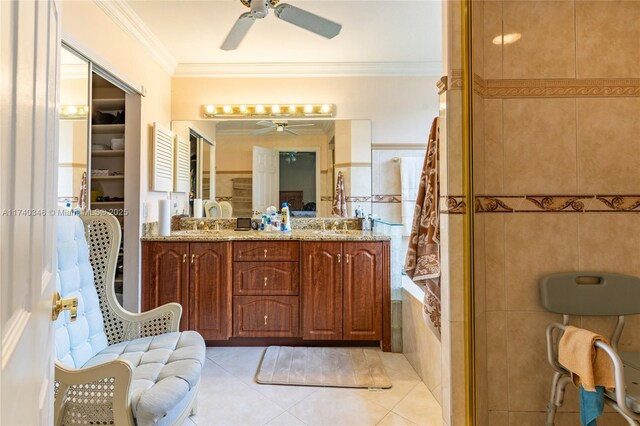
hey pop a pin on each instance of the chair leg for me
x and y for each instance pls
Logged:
(558, 386)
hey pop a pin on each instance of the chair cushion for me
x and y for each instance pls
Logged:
(77, 341)
(166, 368)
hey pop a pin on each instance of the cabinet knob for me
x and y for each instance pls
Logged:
(265, 253)
(265, 281)
(265, 319)
(184, 258)
(346, 257)
(339, 257)
(193, 257)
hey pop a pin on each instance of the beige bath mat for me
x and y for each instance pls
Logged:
(339, 367)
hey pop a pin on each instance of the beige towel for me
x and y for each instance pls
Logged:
(340, 199)
(589, 366)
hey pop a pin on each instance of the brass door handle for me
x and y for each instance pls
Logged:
(339, 258)
(184, 258)
(265, 319)
(347, 257)
(69, 304)
(265, 253)
(193, 257)
(265, 281)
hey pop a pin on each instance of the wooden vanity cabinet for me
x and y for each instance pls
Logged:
(342, 287)
(321, 287)
(196, 275)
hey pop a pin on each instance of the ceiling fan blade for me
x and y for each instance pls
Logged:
(307, 20)
(299, 125)
(238, 32)
(290, 131)
(264, 123)
(262, 131)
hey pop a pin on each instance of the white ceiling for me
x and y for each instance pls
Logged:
(391, 31)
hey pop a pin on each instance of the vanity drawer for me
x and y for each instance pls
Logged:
(266, 316)
(266, 251)
(265, 278)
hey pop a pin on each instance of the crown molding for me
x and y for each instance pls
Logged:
(127, 19)
(311, 69)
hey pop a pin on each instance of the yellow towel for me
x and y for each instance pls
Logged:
(589, 366)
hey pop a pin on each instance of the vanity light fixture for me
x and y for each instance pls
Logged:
(73, 111)
(270, 110)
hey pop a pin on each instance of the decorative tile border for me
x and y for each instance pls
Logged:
(556, 88)
(453, 204)
(383, 199)
(557, 204)
(358, 199)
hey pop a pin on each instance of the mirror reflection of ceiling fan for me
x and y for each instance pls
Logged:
(294, 15)
(277, 127)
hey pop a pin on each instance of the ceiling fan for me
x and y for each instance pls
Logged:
(277, 127)
(294, 15)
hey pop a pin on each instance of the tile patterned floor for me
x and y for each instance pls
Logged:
(229, 396)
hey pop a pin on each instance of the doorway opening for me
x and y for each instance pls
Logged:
(298, 182)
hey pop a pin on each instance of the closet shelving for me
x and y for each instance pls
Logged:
(107, 164)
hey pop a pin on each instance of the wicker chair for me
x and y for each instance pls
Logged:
(113, 366)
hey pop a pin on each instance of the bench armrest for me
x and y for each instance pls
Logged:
(163, 319)
(94, 395)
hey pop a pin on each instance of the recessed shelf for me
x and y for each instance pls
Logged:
(118, 177)
(110, 104)
(108, 153)
(107, 128)
(104, 203)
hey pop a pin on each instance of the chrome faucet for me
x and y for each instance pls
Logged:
(334, 227)
(217, 225)
(195, 225)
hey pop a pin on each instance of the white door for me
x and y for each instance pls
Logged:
(29, 52)
(266, 179)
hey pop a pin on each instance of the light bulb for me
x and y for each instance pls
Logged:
(325, 108)
(209, 109)
(243, 109)
(292, 109)
(227, 109)
(275, 109)
(73, 110)
(308, 108)
(260, 109)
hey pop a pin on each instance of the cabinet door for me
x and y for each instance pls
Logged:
(165, 277)
(321, 290)
(266, 316)
(362, 280)
(210, 290)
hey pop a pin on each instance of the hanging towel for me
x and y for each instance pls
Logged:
(410, 172)
(589, 366)
(422, 263)
(591, 405)
(339, 199)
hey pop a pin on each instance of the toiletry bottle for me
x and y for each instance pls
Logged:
(286, 217)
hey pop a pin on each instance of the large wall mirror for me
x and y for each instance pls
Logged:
(74, 126)
(254, 164)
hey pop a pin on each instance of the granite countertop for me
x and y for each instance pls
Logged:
(296, 235)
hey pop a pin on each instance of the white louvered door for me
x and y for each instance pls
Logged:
(162, 164)
(183, 158)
